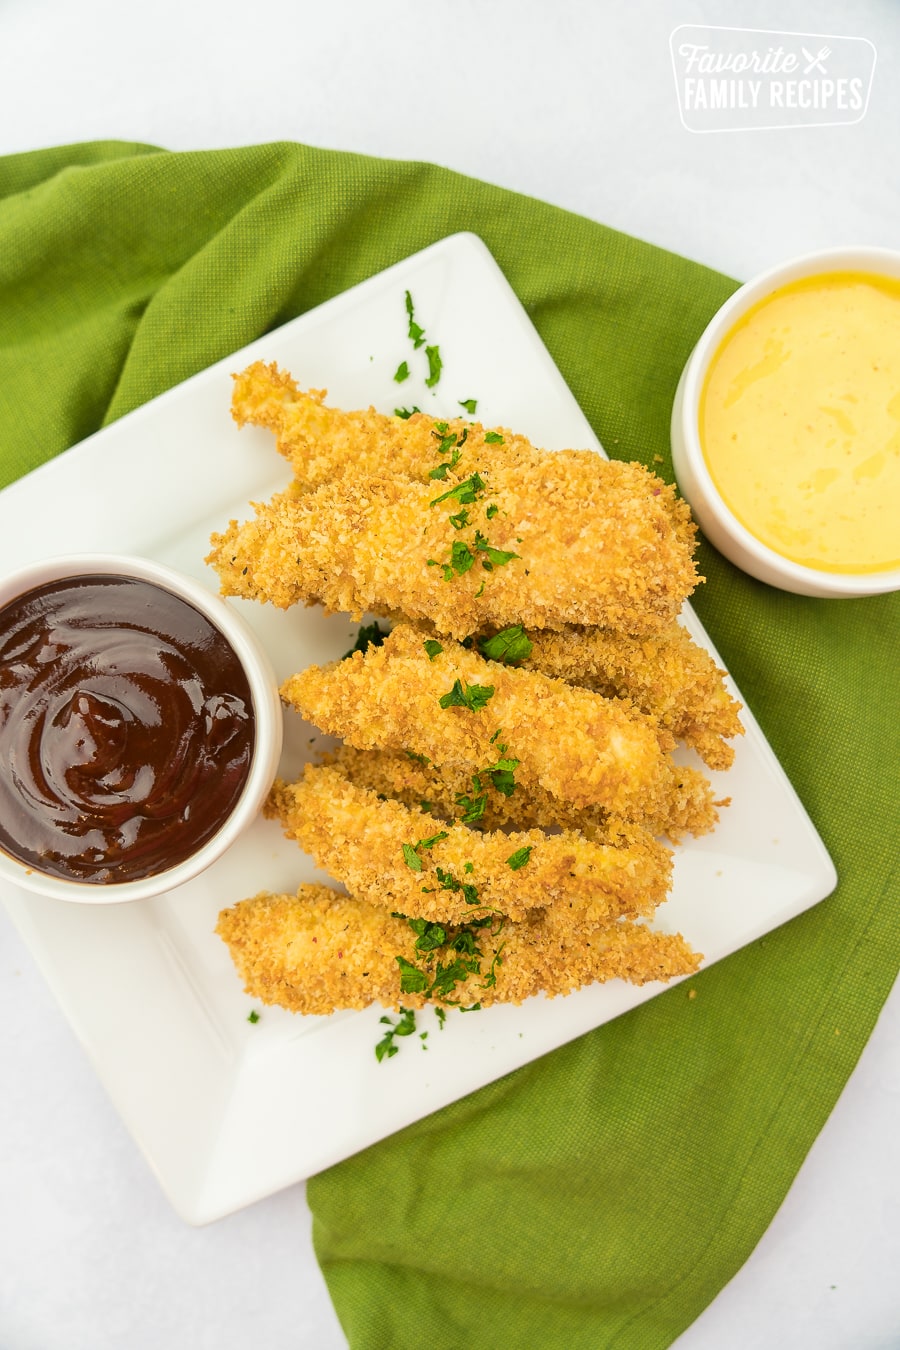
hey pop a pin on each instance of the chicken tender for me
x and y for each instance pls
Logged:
(666, 675)
(566, 538)
(318, 951)
(575, 744)
(321, 442)
(688, 807)
(382, 849)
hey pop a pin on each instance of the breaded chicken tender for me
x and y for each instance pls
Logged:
(318, 951)
(381, 848)
(560, 538)
(688, 807)
(575, 744)
(665, 674)
(322, 442)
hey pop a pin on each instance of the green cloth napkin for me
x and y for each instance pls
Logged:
(602, 1195)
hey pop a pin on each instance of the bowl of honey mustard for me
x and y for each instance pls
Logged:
(140, 728)
(786, 425)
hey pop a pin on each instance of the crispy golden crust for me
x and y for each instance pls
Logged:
(358, 838)
(666, 675)
(317, 951)
(688, 806)
(598, 546)
(577, 745)
(322, 442)
(597, 542)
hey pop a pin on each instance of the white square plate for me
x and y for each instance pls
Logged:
(227, 1111)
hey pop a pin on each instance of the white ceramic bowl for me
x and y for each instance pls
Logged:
(716, 520)
(267, 712)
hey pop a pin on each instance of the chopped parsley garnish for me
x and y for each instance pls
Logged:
(470, 404)
(464, 492)
(432, 647)
(471, 696)
(447, 439)
(461, 559)
(417, 759)
(509, 646)
(493, 438)
(434, 839)
(411, 858)
(460, 520)
(490, 979)
(434, 364)
(369, 635)
(519, 858)
(502, 776)
(412, 979)
(497, 557)
(411, 851)
(472, 807)
(449, 883)
(416, 334)
(492, 510)
(441, 471)
(429, 936)
(441, 1014)
(437, 979)
(405, 413)
(404, 1026)
(253, 1016)
(402, 372)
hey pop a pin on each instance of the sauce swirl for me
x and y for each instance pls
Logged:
(126, 729)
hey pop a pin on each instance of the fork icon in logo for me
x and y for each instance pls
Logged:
(815, 62)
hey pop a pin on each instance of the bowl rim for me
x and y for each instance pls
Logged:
(846, 257)
(268, 722)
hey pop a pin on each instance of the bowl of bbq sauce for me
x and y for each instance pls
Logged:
(140, 728)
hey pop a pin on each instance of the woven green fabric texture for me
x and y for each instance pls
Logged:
(601, 1196)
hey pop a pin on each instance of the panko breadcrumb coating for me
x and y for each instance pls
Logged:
(318, 951)
(465, 531)
(323, 442)
(359, 839)
(577, 745)
(665, 675)
(688, 807)
(571, 538)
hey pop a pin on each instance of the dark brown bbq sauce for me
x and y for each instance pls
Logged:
(126, 729)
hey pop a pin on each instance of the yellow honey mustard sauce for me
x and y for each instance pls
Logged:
(800, 421)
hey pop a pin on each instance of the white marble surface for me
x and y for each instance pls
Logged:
(572, 102)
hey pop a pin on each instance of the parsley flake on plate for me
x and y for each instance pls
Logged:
(434, 365)
(416, 334)
(404, 1026)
